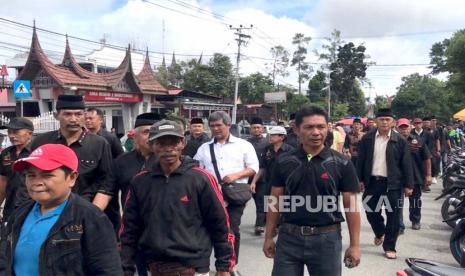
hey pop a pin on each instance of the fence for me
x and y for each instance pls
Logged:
(45, 122)
(4, 120)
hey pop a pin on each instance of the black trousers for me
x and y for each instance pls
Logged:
(414, 207)
(375, 196)
(262, 189)
(435, 165)
(235, 215)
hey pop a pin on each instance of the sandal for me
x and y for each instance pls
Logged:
(390, 255)
(378, 241)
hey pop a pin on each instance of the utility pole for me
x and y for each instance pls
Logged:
(241, 39)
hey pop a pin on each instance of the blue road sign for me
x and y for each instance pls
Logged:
(22, 88)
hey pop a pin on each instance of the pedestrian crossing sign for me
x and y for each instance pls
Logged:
(22, 88)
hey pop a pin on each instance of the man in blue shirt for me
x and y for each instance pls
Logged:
(59, 233)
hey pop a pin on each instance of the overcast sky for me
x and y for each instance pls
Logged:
(394, 32)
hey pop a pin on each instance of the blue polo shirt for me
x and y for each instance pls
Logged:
(33, 234)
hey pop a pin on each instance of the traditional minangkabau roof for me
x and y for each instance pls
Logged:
(147, 79)
(70, 73)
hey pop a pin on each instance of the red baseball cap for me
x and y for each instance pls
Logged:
(49, 157)
(417, 120)
(403, 122)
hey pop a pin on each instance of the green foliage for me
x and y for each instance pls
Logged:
(299, 56)
(162, 75)
(252, 88)
(420, 96)
(339, 111)
(280, 63)
(295, 102)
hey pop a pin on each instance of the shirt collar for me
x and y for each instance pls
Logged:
(324, 153)
(418, 132)
(55, 212)
(81, 138)
(231, 139)
(389, 133)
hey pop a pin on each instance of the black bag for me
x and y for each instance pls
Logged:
(234, 193)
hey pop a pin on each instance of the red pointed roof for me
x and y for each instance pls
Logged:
(148, 80)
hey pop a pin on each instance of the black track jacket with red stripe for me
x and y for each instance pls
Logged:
(176, 219)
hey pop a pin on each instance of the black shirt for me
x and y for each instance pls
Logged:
(269, 159)
(259, 144)
(419, 153)
(115, 143)
(193, 144)
(292, 139)
(94, 158)
(427, 138)
(327, 174)
(16, 191)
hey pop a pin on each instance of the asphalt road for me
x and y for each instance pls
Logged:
(431, 242)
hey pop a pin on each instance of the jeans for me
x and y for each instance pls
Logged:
(378, 192)
(235, 215)
(262, 189)
(320, 253)
(414, 207)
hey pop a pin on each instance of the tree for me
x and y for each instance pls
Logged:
(253, 88)
(420, 96)
(330, 47)
(381, 102)
(280, 62)
(340, 111)
(299, 56)
(356, 101)
(318, 89)
(162, 74)
(295, 102)
(220, 67)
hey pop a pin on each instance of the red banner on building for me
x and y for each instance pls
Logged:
(102, 96)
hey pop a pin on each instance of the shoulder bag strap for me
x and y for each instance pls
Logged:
(215, 166)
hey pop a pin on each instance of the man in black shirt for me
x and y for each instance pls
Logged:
(93, 151)
(94, 121)
(259, 143)
(428, 139)
(421, 164)
(261, 185)
(292, 138)
(12, 184)
(196, 137)
(312, 178)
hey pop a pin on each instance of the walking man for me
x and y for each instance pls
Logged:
(174, 213)
(259, 143)
(236, 161)
(310, 234)
(421, 164)
(196, 137)
(353, 139)
(385, 171)
(268, 164)
(93, 152)
(12, 184)
(424, 133)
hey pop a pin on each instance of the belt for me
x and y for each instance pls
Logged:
(379, 178)
(170, 269)
(309, 230)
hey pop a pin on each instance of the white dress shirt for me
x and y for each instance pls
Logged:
(233, 156)
(379, 155)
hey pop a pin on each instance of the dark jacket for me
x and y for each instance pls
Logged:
(176, 219)
(115, 143)
(398, 160)
(79, 242)
(193, 144)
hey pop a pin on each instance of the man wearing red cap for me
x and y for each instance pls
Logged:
(59, 233)
(421, 163)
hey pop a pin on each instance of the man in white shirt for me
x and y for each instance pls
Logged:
(236, 160)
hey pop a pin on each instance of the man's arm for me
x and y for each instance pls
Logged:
(104, 179)
(352, 212)
(214, 214)
(255, 179)
(406, 164)
(272, 218)
(361, 159)
(230, 178)
(3, 182)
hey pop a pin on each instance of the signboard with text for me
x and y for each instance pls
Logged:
(275, 97)
(103, 96)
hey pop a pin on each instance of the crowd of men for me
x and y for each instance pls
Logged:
(77, 204)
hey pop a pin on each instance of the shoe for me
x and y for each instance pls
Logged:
(378, 241)
(416, 226)
(390, 255)
(235, 273)
(434, 180)
(401, 231)
(259, 230)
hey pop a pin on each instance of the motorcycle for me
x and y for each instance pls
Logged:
(421, 267)
(457, 242)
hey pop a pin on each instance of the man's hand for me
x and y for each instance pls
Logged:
(353, 252)
(269, 248)
(361, 186)
(408, 192)
(230, 178)
(222, 273)
(253, 186)
(428, 180)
